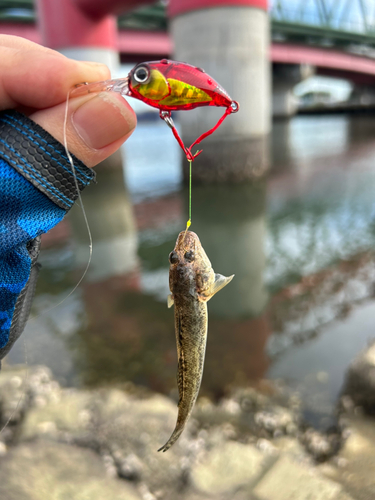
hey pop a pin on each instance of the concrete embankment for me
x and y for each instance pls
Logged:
(80, 444)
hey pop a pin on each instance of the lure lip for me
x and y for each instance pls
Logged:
(122, 86)
(119, 85)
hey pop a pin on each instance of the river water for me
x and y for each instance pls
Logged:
(300, 241)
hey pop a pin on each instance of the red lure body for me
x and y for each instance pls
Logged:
(187, 75)
(169, 86)
(172, 85)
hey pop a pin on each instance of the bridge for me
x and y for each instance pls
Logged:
(337, 37)
(230, 39)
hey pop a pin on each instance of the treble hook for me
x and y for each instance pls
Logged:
(167, 117)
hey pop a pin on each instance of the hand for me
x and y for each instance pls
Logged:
(36, 80)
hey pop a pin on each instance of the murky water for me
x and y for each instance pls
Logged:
(300, 242)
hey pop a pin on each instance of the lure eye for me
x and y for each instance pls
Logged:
(141, 74)
(173, 257)
(189, 256)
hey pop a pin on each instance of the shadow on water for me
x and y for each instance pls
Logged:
(300, 244)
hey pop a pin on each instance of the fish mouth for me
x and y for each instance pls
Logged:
(187, 240)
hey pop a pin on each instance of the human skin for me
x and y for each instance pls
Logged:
(36, 80)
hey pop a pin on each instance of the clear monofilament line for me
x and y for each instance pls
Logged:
(69, 156)
(79, 197)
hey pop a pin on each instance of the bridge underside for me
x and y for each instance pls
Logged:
(330, 62)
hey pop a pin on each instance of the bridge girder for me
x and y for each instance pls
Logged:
(336, 23)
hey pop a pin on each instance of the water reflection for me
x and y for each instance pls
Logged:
(297, 143)
(230, 221)
(110, 212)
(129, 331)
(321, 265)
(152, 160)
(300, 243)
(229, 161)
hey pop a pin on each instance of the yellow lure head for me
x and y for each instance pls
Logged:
(150, 84)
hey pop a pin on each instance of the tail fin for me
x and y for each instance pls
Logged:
(175, 435)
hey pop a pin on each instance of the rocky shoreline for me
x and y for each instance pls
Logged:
(64, 443)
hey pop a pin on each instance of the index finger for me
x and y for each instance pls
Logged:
(35, 77)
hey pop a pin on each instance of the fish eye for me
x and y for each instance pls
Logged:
(141, 74)
(173, 257)
(189, 256)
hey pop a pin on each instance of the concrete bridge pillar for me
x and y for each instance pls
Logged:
(284, 102)
(362, 96)
(285, 77)
(230, 40)
(78, 34)
(85, 30)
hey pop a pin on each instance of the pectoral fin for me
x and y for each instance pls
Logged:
(219, 283)
(170, 300)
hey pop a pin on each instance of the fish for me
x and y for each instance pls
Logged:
(192, 283)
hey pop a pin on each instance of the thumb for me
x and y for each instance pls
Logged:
(96, 125)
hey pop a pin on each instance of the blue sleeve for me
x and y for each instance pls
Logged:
(37, 188)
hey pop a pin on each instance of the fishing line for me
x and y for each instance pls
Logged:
(69, 156)
(79, 197)
(188, 224)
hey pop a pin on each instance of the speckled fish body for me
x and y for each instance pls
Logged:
(192, 282)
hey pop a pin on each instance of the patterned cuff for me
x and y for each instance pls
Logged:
(41, 159)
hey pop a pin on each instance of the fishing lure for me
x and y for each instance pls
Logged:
(169, 86)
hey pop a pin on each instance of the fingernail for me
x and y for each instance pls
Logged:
(99, 67)
(103, 119)
(94, 64)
